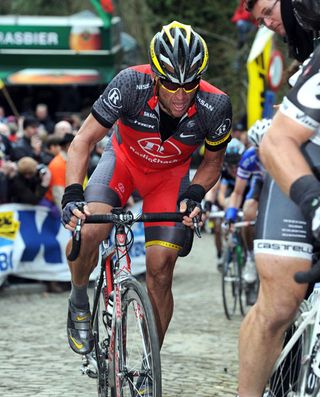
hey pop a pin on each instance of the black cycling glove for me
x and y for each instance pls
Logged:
(305, 192)
(73, 198)
(193, 197)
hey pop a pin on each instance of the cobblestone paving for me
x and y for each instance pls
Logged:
(199, 356)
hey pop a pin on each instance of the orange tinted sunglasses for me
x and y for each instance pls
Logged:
(174, 87)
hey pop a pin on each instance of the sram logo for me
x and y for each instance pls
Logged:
(155, 147)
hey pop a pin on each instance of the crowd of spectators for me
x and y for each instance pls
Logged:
(33, 153)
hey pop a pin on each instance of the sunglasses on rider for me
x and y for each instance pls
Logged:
(174, 87)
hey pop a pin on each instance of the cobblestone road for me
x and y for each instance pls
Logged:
(199, 356)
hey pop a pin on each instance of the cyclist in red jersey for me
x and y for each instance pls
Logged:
(160, 114)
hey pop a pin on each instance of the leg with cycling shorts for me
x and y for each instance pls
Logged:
(262, 330)
(283, 246)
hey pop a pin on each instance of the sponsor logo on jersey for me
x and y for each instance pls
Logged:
(149, 114)
(309, 94)
(121, 187)
(114, 98)
(183, 135)
(191, 124)
(205, 104)
(155, 147)
(142, 86)
(224, 127)
(145, 125)
(292, 111)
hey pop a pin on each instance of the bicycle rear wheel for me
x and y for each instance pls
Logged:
(231, 284)
(136, 367)
(289, 378)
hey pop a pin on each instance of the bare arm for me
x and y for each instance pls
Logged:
(221, 197)
(207, 175)
(79, 151)
(209, 170)
(237, 194)
(280, 151)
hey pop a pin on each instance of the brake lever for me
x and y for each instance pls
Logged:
(196, 226)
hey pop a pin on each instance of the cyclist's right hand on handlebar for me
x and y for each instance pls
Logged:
(231, 215)
(72, 212)
(73, 206)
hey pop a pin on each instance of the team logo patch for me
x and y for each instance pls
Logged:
(114, 98)
(309, 93)
(154, 147)
(224, 128)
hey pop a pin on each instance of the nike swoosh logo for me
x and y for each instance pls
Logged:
(81, 318)
(186, 136)
(79, 346)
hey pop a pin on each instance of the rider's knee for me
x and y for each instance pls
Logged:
(276, 314)
(160, 265)
(90, 240)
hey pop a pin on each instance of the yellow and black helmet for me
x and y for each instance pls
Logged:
(178, 53)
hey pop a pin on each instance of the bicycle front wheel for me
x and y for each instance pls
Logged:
(289, 376)
(101, 341)
(136, 368)
(231, 284)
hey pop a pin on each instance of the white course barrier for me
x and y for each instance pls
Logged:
(33, 241)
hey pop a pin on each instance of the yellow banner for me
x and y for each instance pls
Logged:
(257, 67)
(1, 84)
(9, 227)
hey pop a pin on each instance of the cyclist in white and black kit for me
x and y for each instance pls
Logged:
(288, 221)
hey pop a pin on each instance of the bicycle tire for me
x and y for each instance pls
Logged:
(101, 340)
(136, 350)
(288, 379)
(230, 284)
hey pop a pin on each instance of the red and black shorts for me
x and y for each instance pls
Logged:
(115, 178)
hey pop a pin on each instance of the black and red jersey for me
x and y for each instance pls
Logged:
(130, 102)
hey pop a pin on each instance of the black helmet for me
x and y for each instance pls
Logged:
(178, 53)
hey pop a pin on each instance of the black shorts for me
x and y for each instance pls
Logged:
(281, 228)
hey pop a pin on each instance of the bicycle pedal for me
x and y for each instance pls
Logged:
(89, 367)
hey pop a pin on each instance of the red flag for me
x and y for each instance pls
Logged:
(107, 6)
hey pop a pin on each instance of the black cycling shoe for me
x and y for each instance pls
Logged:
(79, 330)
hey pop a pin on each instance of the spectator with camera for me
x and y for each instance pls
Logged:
(30, 183)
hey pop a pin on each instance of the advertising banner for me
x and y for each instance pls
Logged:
(33, 242)
(258, 68)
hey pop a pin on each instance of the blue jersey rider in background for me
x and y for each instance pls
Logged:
(250, 173)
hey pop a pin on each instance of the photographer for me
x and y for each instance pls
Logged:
(30, 183)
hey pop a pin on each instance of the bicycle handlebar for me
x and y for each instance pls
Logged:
(127, 218)
(310, 276)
